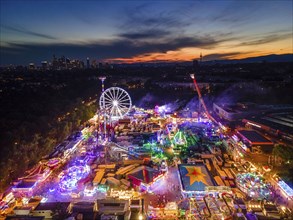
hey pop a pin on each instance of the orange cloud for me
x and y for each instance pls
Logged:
(231, 50)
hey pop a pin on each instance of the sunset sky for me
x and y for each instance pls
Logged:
(131, 31)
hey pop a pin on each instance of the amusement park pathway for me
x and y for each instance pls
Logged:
(165, 190)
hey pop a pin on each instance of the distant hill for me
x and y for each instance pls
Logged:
(267, 58)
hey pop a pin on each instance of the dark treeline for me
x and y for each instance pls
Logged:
(286, 154)
(39, 110)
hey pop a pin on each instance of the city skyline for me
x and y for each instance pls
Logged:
(142, 31)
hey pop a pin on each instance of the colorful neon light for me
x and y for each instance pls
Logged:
(287, 189)
(69, 179)
(253, 185)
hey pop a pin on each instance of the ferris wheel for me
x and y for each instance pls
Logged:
(116, 102)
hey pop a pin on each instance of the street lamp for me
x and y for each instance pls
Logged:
(140, 217)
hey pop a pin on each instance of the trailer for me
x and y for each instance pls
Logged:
(219, 181)
(113, 181)
(99, 176)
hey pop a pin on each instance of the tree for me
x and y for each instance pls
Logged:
(284, 152)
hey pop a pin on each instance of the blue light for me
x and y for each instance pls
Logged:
(284, 186)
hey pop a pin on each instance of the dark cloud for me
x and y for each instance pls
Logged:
(119, 48)
(267, 39)
(143, 16)
(22, 30)
(220, 56)
(230, 15)
(146, 34)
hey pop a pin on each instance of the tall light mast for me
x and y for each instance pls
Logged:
(103, 78)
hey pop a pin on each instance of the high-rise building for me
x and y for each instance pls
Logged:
(44, 65)
(54, 62)
(31, 66)
(81, 65)
(94, 64)
(87, 63)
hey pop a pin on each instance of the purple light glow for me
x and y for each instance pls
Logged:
(69, 179)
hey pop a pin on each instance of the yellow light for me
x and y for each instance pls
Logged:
(140, 217)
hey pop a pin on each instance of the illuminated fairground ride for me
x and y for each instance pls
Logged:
(209, 208)
(223, 128)
(70, 178)
(253, 185)
(116, 101)
(201, 99)
(176, 136)
(180, 139)
(171, 130)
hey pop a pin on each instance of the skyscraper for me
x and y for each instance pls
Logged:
(31, 66)
(87, 63)
(44, 65)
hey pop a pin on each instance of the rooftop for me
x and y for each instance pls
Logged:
(52, 206)
(112, 206)
(195, 177)
(144, 174)
(270, 208)
(253, 137)
(248, 107)
(22, 208)
(241, 107)
(25, 217)
(86, 208)
(278, 121)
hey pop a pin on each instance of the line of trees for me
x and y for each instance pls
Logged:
(286, 154)
(25, 153)
(38, 112)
